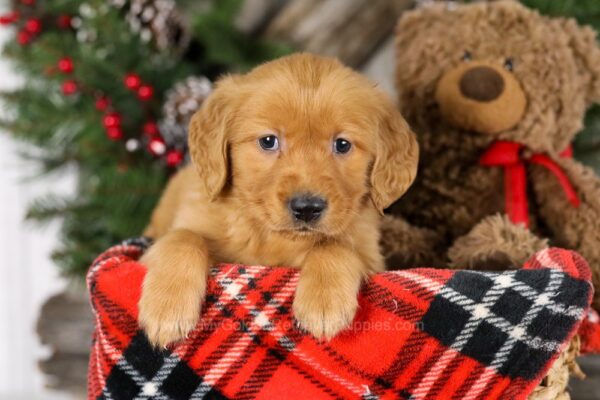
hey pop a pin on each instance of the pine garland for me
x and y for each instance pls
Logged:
(74, 59)
(55, 114)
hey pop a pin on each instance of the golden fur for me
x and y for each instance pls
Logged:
(232, 205)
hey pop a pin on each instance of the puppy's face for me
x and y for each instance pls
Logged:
(303, 144)
(300, 160)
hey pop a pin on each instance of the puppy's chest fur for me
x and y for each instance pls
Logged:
(233, 238)
(242, 242)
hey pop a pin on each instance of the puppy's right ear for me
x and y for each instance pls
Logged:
(395, 165)
(208, 139)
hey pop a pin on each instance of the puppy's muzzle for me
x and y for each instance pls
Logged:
(307, 208)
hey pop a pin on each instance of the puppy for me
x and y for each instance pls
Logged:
(293, 164)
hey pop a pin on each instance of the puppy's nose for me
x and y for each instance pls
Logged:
(307, 208)
(482, 84)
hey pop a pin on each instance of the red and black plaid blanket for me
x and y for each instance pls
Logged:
(419, 334)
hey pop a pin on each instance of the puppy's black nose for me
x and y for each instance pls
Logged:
(307, 208)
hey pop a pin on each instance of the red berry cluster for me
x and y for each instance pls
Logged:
(133, 82)
(31, 27)
(112, 122)
(9, 18)
(65, 66)
(157, 145)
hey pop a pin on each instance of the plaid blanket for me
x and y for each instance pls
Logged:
(589, 332)
(419, 333)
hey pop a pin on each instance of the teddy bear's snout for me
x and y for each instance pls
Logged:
(481, 84)
(481, 97)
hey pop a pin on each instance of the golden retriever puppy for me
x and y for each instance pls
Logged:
(293, 164)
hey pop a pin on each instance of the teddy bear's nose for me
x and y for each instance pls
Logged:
(481, 84)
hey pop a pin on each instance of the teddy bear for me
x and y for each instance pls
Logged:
(496, 93)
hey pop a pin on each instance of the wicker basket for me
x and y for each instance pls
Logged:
(554, 385)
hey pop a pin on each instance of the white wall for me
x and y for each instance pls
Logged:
(27, 276)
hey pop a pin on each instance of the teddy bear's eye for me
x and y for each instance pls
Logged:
(467, 56)
(509, 64)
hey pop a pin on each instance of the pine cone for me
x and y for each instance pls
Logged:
(156, 21)
(183, 100)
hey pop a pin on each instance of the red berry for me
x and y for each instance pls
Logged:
(145, 92)
(28, 2)
(64, 21)
(9, 18)
(102, 103)
(33, 26)
(157, 146)
(24, 38)
(132, 81)
(69, 87)
(112, 120)
(151, 129)
(174, 158)
(114, 133)
(65, 65)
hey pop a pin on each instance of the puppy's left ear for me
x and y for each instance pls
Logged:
(396, 159)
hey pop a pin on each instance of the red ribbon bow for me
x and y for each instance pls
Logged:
(509, 155)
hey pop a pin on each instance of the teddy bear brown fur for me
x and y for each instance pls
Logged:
(469, 76)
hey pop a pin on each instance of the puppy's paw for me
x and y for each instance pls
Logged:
(168, 312)
(324, 312)
(173, 289)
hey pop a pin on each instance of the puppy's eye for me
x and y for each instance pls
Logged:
(269, 143)
(341, 146)
(467, 56)
(509, 64)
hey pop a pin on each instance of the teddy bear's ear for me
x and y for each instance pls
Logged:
(412, 23)
(584, 43)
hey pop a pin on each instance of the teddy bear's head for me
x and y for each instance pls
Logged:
(497, 69)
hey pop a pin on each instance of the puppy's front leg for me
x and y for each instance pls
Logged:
(174, 286)
(326, 297)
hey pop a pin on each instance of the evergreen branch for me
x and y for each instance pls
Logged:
(116, 189)
(45, 209)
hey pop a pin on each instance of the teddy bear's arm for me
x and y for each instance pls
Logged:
(574, 227)
(495, 243)
(406, 246)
